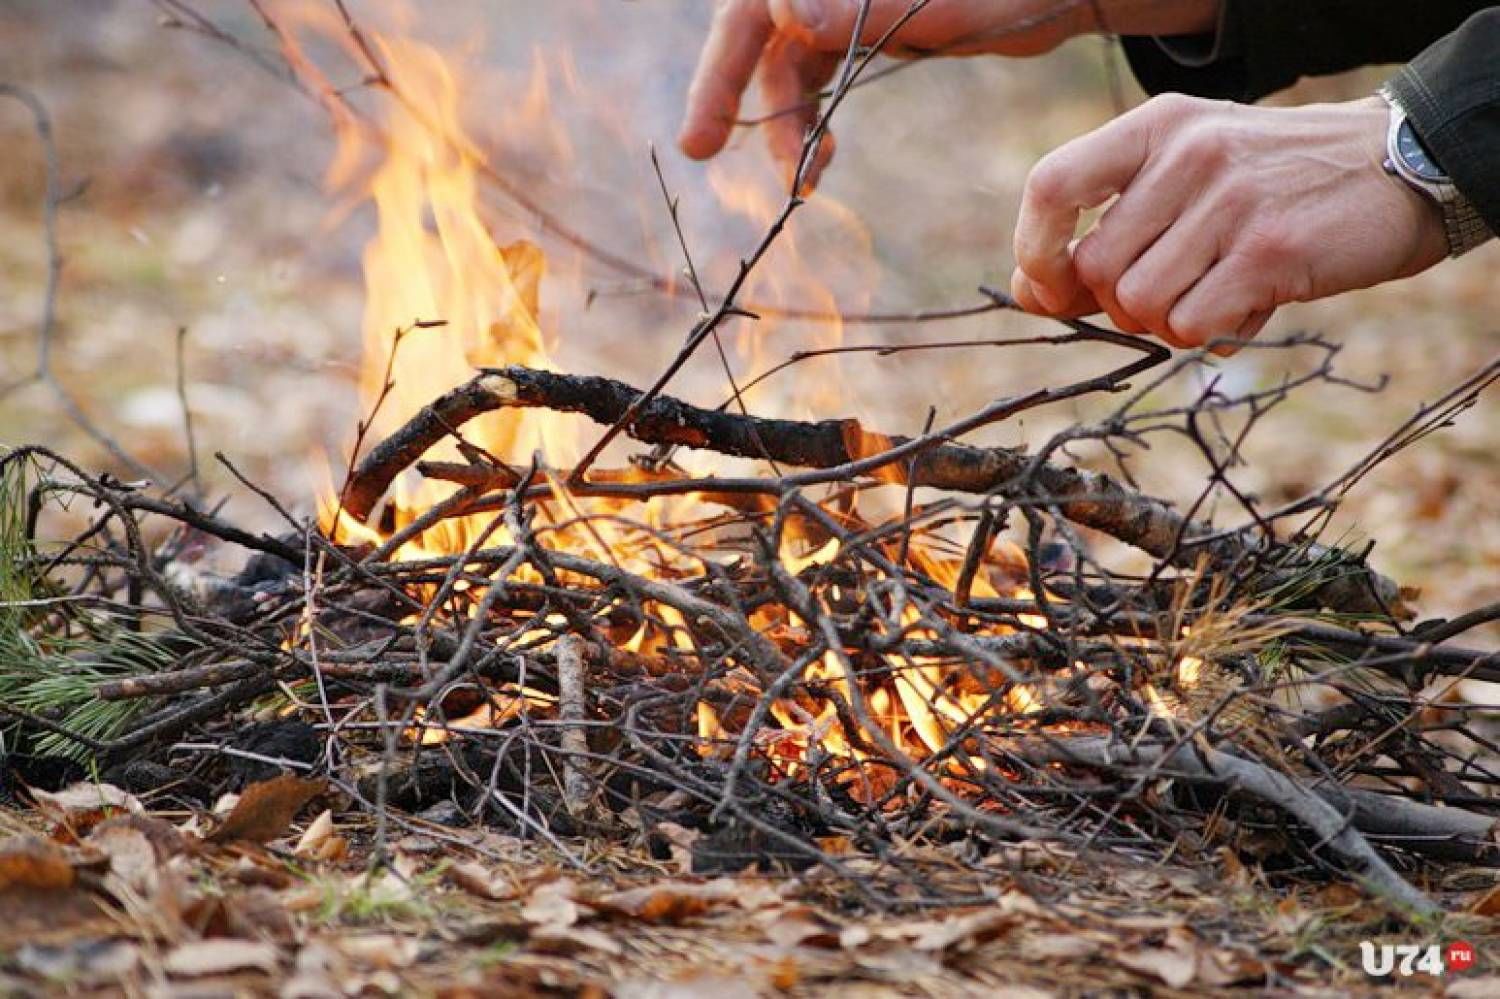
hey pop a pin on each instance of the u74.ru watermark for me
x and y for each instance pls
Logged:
(1405, 960)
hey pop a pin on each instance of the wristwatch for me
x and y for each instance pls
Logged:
(1410, 160)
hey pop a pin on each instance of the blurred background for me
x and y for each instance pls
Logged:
(200, 203)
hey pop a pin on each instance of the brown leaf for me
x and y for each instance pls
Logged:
(1488, 904)
(552, 904)
(480, 881)
(319, 841)
(568, 939)
(976, 928)
(28, 862)
(266, 809)
(163, 836)
(132, 860)
(1173, 966)
(671, 902)
(220, 956)
(79, 807)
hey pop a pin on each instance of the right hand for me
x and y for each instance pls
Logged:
(795, 46)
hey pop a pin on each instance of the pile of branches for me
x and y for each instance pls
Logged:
(1030, 650)
(872, 698)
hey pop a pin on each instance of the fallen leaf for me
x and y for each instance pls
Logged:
(479, 881)
(79, 807)
(568, 938)
(29, 862)
(163, 836)
(319, 841)
(1059, 947)
(132, 860)
(220, 956)
(380, 950)
(83, 961)
(670, 902)
(1488, 904)
(799, 926)
(552, 904)
(1185, 959)
(680, 841)
(851, 937)
(266, 809)
(975, 928)
(1175, 967)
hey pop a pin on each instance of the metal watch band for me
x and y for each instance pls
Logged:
(1466, 228)
(1463, 226)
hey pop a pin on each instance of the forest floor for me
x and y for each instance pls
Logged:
(200, 206)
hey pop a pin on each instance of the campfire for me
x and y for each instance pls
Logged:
(741, 629)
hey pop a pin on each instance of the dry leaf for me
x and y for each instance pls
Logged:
(567, 938)
(480, 881)
(800, 925)
(974, 928)
(380, 950)
(1185, 959)
(1175, 967)
(552, 904)
(1059, 946)
(1474, 988)
(162, 835)
(266, 809)
(220, 956)
(1488, 904)
(671, 902)
(132, 860)
(29, 862)
(851, 937)
(319, 841)
(79, 807)
(680, 841)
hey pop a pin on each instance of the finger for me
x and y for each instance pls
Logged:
(1082, 174)
(736, 38)
(1163, 272)
(1124, 235)
(1024, 292)
(1230, 298)
(951, 26)
(790, 78)
(1247, 332)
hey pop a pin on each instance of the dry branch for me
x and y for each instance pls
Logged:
(1339, 830)
(1092, 499)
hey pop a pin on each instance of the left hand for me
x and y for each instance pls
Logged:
(1225, 212)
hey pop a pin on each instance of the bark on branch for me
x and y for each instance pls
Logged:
(1091, 499)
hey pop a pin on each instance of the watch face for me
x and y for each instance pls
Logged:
(1415, 155)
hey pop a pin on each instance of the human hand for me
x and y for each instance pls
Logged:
(794, 46)
(1224, 213)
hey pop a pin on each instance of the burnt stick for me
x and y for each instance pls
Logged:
(1092, 499)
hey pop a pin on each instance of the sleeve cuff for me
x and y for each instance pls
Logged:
(1198, 51)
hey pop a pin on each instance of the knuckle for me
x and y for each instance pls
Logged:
(1205, 147)
(1095, 263)
(1270, 245)
(1142, 301)
(1169, 106)
(1194, 329)
(1046, 187)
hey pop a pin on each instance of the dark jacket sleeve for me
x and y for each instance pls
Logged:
(1452, 93)
(1267, 45)
(1450, 87)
